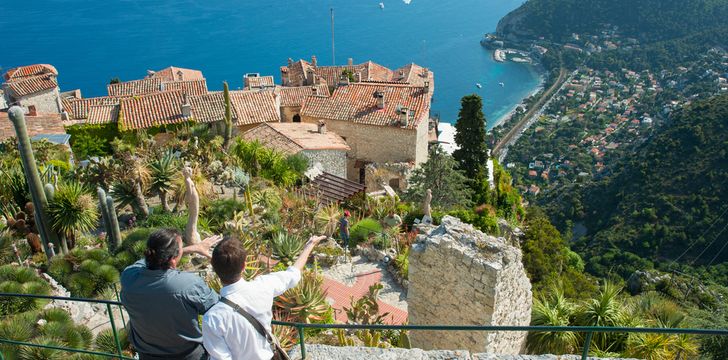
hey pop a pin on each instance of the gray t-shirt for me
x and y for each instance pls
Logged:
(163, 306)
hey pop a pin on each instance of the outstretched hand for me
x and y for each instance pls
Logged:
(314, 240)
(204, 247)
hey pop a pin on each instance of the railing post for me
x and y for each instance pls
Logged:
(585, 353)
(301, 341)
(113, 329)
(121, 310)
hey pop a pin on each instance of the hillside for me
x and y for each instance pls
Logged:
(667, 202)
(645, 20)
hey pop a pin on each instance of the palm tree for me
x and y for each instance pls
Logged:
(72, 210)
(135, 176)
(555, 310)
(163, 171)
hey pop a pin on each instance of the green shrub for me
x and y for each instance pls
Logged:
(22, 280)
(361, 231)
(135, 242)
(401, 263)
(85, 273)
(50, 327)
(219, 211)
(159, 219)
(382, 241)
(92, 140)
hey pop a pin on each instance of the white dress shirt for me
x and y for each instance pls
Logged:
(227, 335)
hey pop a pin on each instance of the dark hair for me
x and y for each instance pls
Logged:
(162, 246)
(228, 260)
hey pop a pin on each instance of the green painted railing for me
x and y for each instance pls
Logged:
(300, 327)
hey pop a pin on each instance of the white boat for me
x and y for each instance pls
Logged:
(477, 85)
(381, 5)
(501, 84)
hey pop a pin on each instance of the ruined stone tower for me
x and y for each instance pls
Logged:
(460, 276)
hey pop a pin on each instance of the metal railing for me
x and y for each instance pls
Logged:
(301, 327)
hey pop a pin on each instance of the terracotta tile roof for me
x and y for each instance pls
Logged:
(328, 188)
(294, 96)
(190, 87)
(178, 74)
(369, 71)
(255, 107)
(30, 70)
(102, 114)
(208, 107)
(254, 82)
(46, 124)
(78, 109)
(32, 84)
(357, 103)
(292, 138)
(135, 87)
(145, 111)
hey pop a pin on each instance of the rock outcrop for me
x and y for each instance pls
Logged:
(460, 276)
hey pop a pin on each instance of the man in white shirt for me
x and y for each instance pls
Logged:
(227, 335)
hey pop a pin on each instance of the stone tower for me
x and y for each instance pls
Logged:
(460, 276)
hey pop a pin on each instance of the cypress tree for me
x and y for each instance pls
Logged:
(470, 137)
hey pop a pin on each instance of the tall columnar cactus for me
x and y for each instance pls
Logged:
(114, 235)
(40, 202)
(192, 236)
(228, 116)
(104, 211)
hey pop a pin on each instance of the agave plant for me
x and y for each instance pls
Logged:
(286, 335)
(72, 210)
(307, 301)
(286, 247)
(163, 171)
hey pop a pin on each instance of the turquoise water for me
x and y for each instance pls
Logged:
(93, 41)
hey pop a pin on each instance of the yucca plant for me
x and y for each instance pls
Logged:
(286, 247)
(606, 309)
(307, 301)
(163, 170)
(327, 219)
(105, 341)
(21, 280)
(72, 210)
(553, 311)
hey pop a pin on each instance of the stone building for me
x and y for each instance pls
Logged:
(323, 149)
(460, 276)
(253, 81)
(34, 87)
(38, 125)
(292, 99)
(382, 124)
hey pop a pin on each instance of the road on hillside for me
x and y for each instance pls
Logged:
(511, 136)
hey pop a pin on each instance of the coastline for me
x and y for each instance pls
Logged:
(507, 115)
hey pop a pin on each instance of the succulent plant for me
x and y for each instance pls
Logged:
(307, 301)
(286, 247)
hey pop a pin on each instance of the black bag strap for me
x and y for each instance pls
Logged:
(251, 319)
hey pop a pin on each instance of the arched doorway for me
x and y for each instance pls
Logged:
(297, 118)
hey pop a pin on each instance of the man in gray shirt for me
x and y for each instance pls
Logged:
(163, 303)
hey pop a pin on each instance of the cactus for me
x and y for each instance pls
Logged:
(193, 208)
(37, 193)
(228, 116)
(114, 235)
(104, 210)
(50, 191)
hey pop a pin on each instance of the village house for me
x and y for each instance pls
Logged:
(255, 81)
(292, 99)
(323, 149)
(34, 87)
(39, 126)
(385, 125)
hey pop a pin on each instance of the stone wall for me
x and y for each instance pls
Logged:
(460, 276)
(332, 161)
(379, 144)
(288, 112)
(45, 102)
(324, 352)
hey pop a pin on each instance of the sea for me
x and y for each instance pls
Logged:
(93, 41)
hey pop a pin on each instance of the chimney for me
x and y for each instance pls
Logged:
(64, 116)
(313, 60)
(344, 80)
(186, 108)
(310, 77)
(321, 127)
(32, 111)
(380, 99)
(350, 62)
(427, 84)
(358, 76)
(290, 62)
(180, 75)
(150, 73)
(404, 116)
(314, 90)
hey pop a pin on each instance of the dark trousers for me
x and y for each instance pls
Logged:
(198, 353)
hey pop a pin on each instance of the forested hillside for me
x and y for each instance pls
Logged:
(667, 202)
(646, 20)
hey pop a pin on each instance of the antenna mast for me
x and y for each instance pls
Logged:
(333, 46)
